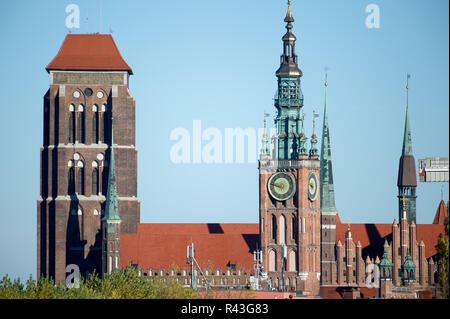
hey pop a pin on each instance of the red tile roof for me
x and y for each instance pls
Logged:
(163, 245)
(373, 236)
(336, 292)
(441, 214)
(219, 245)
(89, 52)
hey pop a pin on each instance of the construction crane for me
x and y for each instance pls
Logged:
(433, 169)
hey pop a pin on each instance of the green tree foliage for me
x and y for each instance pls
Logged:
(121, 284)
(442, 249)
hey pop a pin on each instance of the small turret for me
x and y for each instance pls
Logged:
(265, 142)
(313, 152)
(111, 220)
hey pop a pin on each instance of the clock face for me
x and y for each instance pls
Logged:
(281, 186)
(312, 186)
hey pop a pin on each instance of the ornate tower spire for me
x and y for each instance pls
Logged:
(327, 203)
(407, 180)
(289, 98)
(289, 61)
(407, 143)
(111, 220)
(289, 19)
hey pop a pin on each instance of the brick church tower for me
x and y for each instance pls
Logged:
(289, 187)
(88, 95)
(407, 180)
(328, 209)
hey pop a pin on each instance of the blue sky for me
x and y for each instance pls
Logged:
(215, 61)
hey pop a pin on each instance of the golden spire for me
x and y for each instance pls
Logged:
(403, 199)
(289, 18)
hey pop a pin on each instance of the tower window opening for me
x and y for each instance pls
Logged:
(71, 181)
(72, 127)
(293, 228)
(95, 128)
(95, 175)
(274, 228)
(81, 127)
(80, 180)
(282, 229)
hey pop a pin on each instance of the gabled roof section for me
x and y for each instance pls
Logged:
(441, 214)
(95, 52)
(216, 245)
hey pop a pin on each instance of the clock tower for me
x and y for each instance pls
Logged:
(289, 204)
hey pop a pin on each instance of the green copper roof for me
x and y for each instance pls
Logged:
(327, 203)
(385, 262)
(407, 144)
(408, 264)
(112, 203)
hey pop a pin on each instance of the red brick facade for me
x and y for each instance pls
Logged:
(300, 217)
(302, 248)
(79, 109)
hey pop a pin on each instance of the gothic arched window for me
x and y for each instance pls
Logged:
(274, 228)
(282, 229)
(72, 124)
(81, 125)
(95, 125)
(71, 181)
(95, 188)
(105, 177)
(272, 260)
(292, 261)
(294, 228)
(80, 179)
(106, 127)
